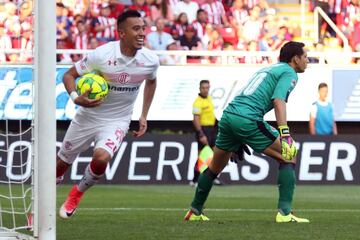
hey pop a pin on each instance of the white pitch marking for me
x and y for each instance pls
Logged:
(218, 209)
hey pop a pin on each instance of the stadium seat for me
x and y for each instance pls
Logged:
(228, 34)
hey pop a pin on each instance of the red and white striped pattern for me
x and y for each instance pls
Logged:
(200, 28)
(81, 41)
(214, 10)
(109, 32)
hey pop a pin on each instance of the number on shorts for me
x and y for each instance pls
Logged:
(110, 144)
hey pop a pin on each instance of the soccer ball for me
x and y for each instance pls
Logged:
(100, 87)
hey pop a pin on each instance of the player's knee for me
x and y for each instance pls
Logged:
(101, 155)
(99, 162)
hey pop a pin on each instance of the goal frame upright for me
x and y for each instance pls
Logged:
(44, 222)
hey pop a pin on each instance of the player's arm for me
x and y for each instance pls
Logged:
(280, 96)
(149, 92)
(288, 148)
(312, 119)
(312, 125)
(70, 86)
(280, 111)
(335, 131)
(199, 132)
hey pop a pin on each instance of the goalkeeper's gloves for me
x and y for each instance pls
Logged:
(288, 148)
(239, 154)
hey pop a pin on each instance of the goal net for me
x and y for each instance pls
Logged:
(27, 122)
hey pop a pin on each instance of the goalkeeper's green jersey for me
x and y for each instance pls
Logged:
(256, 98)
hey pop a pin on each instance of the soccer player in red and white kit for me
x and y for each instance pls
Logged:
(125, 64)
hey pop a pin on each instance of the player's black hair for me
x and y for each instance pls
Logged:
(204, 81)
(125, 15)
(289, 50)
(321, 85)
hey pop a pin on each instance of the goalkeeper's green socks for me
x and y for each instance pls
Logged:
(286, 183)
(205, 183)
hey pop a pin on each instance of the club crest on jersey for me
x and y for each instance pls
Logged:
(123, 78)
(293, 82)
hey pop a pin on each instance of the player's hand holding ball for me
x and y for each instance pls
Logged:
(288, 148)
(92, 90)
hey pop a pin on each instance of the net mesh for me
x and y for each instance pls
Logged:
(16, 171)
(16, 126)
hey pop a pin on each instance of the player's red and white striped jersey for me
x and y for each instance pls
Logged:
(214, 11)
(124, 76)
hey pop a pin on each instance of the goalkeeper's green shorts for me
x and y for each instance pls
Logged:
(234, 129)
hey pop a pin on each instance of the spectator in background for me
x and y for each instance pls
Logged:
(93, 43)
(62, 23)
(142, 8)
(252, 27)
(252, 46)
(322, 114)
(280, 38)
(76, 7)
(188, 7)
(180, 24)
(5, 43)
(64, 58)
(26, 44)
(171, 59)
(238, 14)
(104, 25)
(205, 40)
(116, 8)
(26, 19)
(200, 23)
(158, 40)
(81, 37)
(94, 8)
(160, 9)
(189, 41)
(216, 13)
(216, 41)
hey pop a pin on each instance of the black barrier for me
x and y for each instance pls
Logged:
(169, 159)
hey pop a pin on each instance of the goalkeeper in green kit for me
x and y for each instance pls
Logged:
(242, 123)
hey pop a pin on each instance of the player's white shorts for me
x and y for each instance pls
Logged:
(79, 137)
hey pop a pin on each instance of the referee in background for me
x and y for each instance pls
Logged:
(204, 123)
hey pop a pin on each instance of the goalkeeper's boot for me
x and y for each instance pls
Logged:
(290, 218)
(191, 216)
(69, 206)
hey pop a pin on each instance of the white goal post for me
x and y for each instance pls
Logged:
(40, 212)
(45, 120)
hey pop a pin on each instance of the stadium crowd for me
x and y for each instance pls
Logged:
(250, 25)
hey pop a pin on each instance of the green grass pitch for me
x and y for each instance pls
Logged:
(235, 212)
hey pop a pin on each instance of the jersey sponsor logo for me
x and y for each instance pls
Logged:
(123, 78)
(124, 89)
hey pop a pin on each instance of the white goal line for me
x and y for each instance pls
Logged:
(219, 209)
